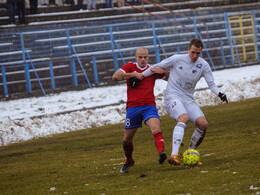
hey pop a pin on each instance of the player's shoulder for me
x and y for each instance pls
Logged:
(129, 65)
(178, 57)
(203, 62)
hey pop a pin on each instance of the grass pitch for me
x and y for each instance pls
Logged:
(88, 161)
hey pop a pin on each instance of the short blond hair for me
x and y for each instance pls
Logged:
(142, 50)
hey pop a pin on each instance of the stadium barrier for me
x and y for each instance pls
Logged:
(59, 58)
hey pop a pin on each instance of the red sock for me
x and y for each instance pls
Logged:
(128, 149)
(159, 141)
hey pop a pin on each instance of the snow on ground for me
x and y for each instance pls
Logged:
(30, 118)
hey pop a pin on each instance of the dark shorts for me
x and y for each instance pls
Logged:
(135, 116)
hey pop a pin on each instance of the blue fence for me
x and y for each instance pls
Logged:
(91, 54)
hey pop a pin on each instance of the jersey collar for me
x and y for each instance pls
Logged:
(141, 67)
(191, 61)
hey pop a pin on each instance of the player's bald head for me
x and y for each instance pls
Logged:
(142, 51)
(142, 56)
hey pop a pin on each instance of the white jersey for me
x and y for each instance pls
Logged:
(184, 75)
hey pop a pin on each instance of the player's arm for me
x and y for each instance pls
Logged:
(120, 75)
(165, 64)
(213, 87)
(159, 70)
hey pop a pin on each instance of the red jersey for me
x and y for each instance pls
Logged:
(143, 94)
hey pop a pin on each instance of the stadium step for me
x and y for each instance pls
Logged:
(47, 39)
(59, 13)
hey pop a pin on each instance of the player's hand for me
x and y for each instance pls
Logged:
(223, 97)
(139, 76)
(133, 82)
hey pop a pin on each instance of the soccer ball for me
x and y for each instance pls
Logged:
(191, 157)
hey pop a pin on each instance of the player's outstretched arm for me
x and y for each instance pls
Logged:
(160, 70)
(165, 64)
(146, 73)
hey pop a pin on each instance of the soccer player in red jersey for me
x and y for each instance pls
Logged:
(140, 106)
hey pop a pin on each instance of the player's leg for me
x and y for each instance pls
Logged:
(132, 122)
(128, 149)
(177, 111)
(154, 125)
(199, 133)
(178, 132)
(198, 118)
(128, 144)
(152, 120)
(177, 137)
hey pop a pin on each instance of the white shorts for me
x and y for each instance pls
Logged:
(176, 106)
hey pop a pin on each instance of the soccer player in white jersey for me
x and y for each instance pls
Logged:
(185, 71)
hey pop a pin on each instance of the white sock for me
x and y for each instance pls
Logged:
(197, 138)
(177, 136)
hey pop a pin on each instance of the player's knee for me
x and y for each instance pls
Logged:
(184, 118)
(156, 131)
(126, 143)
(202, 125)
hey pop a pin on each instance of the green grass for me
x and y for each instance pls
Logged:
(88, 161)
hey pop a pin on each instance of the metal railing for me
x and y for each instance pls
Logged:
(243, 37)
(115, 43)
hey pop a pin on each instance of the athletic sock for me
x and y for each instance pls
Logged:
(197, 138)
(177, 136)
(159, 141)
(128, 149)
